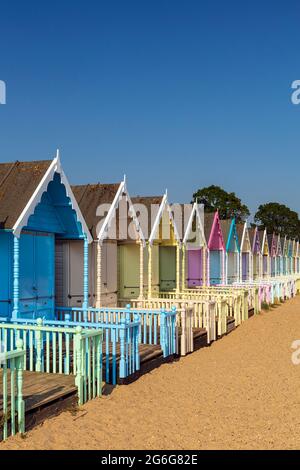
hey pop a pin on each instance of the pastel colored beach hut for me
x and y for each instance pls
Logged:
(232, 253)
(245, 251)
(290, 256)
(279, 258)
(297, 261)
(256, 253)
(284, 247)
(194, 256)
(37, 210)
(116, 252)
(265, 253)
(164, 250)
(215, 249)
(273, 246)
(147, 208)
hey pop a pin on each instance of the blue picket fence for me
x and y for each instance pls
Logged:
(157, 327)
(120, 352)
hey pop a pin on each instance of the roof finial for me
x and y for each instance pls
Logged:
(57, 154)
(124, 179)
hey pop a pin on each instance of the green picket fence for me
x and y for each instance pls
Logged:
(12, 419)
(60, 350)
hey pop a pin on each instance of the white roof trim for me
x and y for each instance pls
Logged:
(55, 167)
(111, 213)
(242, 241)
(164, 204)
(189, 225)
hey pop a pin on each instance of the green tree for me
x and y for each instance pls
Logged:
(228, 204)
(278, 218)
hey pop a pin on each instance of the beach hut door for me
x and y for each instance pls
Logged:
(167, 268)
(5, 256)
(129, 271)
(195, 268)
(37, 275)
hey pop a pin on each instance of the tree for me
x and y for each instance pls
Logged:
(278, 218)
(228, 204)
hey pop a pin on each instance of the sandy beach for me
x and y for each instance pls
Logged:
(242, 392)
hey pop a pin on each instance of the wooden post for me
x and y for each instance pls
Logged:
(183, 280)
(178, 267)
(141, 296)
(39, 345)
(99, 273)
(20, 401)
(208, 267)
(149, 271)
(78, 356)
(223, 267)
(204, 265)
(85, 277)
(16, 278)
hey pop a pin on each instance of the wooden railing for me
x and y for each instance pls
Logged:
(12, 419)
(156, 327)
(59, 350)
(179, 325)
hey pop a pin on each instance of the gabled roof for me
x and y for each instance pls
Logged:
(229, 234)
(254, 239)
(208, 224)
(22, 185)
(164, 207)
(195, 215)
(272, 241)
(213, 232)
(263, 239)
(243, 236)
(278, 246)
(90, 197)
(240, 228)
(152, 205)
(18, 181)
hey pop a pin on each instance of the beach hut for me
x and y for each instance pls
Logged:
(116, 252)
(215, 249)
(273, 246)
(265, 253)
(291, 247)
(164, 251)
(37, 210)
(232, 253)
(245, 252)
(279, 266)
(284, 247)
(256, 253)
(194, 250)
(297, 263)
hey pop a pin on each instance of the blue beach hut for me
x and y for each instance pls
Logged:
(37, 209)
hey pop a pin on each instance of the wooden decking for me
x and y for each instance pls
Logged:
(44, 394)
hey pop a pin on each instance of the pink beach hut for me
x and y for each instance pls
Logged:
(196, 249)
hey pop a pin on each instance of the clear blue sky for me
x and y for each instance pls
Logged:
(176, 94)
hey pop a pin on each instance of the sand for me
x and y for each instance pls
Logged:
(242, 392)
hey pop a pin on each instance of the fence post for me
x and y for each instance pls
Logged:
(128, 312)
(137, 341)
(163, 332)
(78, 356)
(20, 401)
(174, 329)
(183, 332)
(122, 371)
(39, 345)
